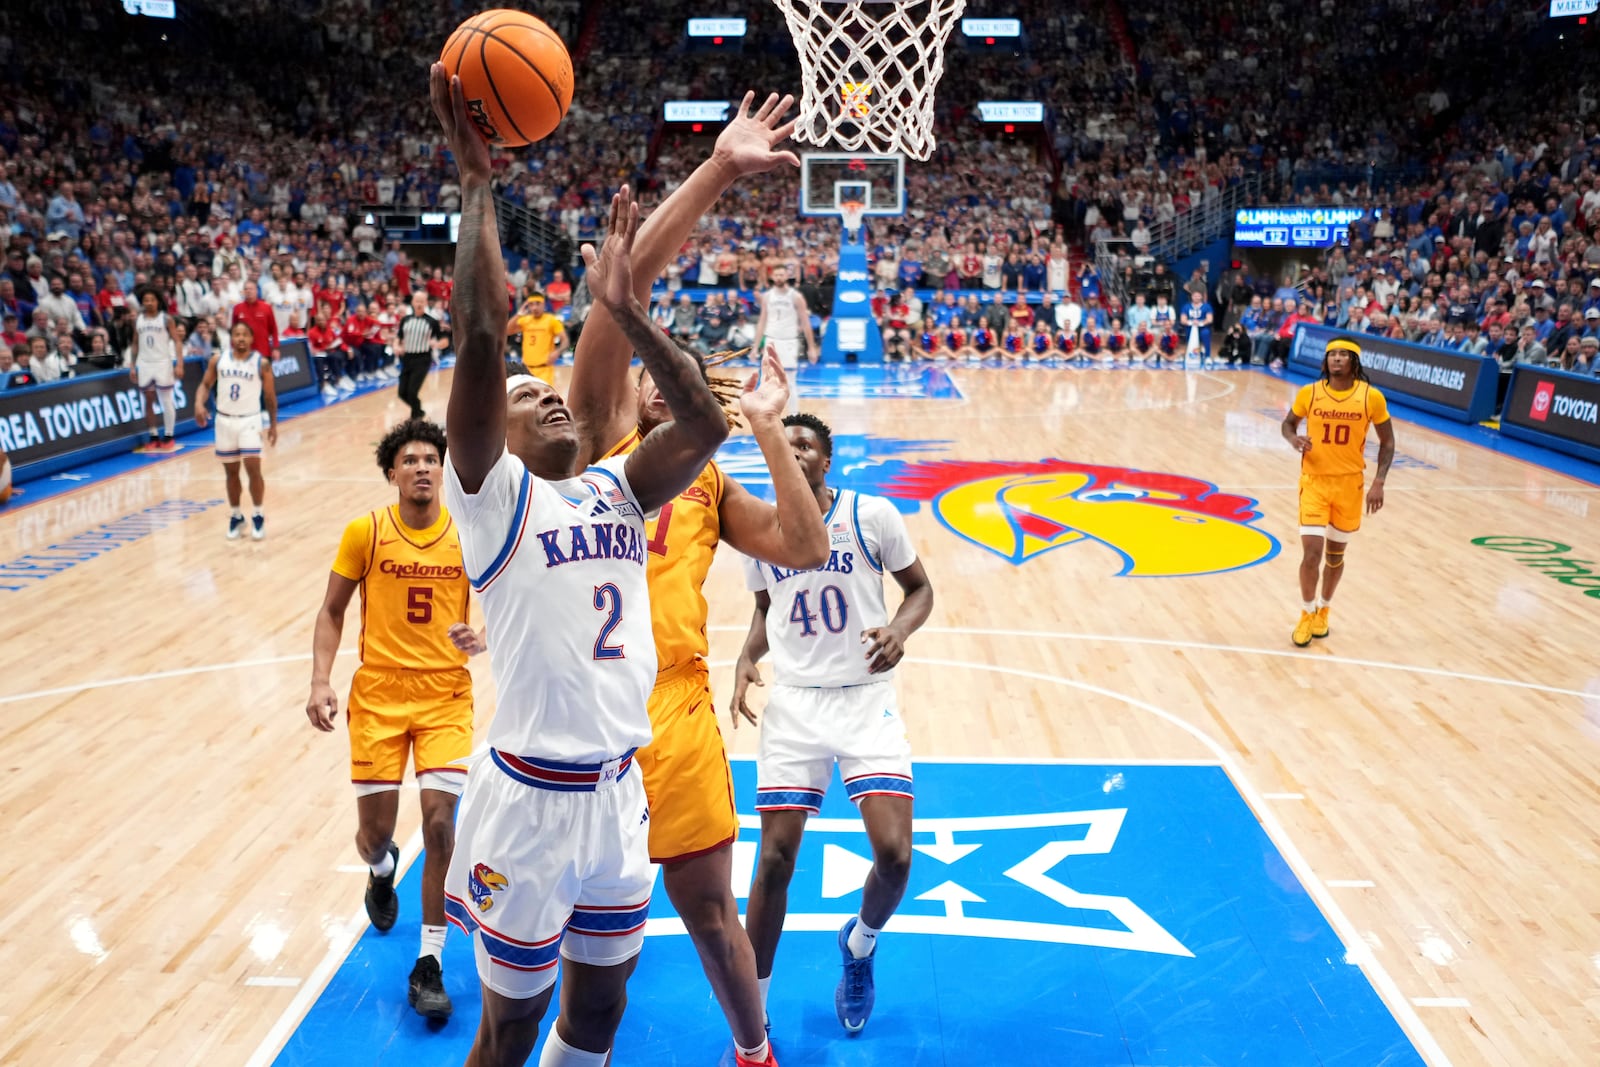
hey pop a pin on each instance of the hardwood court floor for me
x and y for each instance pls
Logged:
(178, 837)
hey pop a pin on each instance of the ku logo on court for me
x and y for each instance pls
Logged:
(1162, 525)
(482, 883)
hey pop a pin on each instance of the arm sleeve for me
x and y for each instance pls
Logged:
(1302, 402)
(885, 533)
(491, 519)
(1377, 407)
(355, 549)
(754, 579)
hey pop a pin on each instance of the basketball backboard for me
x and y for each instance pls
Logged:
(829, 179)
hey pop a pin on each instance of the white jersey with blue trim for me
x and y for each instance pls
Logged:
(239, 385)
(559, 567)
(816, 618)
(154, 340)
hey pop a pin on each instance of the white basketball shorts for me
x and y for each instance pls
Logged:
(804, 731)
(539, 873)
(238, 436)
(155, 374)
(788, 349)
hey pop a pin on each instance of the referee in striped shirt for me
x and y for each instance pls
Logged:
(419, 336)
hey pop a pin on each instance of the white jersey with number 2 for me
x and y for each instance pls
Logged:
(816, 619)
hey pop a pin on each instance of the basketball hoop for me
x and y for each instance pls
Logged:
(869, 69)
(853, 212)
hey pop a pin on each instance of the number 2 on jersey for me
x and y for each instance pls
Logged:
(835, 613)
(608, 598)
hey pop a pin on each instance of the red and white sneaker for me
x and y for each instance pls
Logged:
(742, 1061)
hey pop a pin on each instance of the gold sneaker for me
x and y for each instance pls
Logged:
(1302, 629)
(1319, 622)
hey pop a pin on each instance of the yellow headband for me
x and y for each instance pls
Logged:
(1342, 345)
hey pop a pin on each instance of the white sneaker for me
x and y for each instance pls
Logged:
(346, 383)
(392, 370)
(329, 392)
(258, 527)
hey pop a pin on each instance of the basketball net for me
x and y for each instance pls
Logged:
(869, 69)
(853, 212)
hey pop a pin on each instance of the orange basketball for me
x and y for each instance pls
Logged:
(516, 74)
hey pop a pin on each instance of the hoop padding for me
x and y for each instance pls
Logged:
(869, 69)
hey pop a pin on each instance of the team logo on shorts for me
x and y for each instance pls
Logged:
(1162, 525)
(482, 883)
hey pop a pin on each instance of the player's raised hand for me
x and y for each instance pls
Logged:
(323, 707)
(467, 639)
(749, 143)
(886, 648)
(610, 272)
(766, 392)
(450, 108)
(745, 675)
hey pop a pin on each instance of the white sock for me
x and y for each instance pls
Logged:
(557, 1053)
(758, 1054)
(169, 414)
(1311, 605)
(385, 866)
(863, 939)
(238, 513)
(1326, 600)
(432, 940)
(256, 510)
(765, 984)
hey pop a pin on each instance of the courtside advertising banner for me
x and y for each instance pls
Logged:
(1554, 408)
(1452, 384)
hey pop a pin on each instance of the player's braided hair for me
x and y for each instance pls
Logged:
(1354, 350)
(725, 387)
(815, 425)
(429, 433)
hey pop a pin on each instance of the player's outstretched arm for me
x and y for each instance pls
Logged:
(745, 673)
(477, 411)
(601, 397)
(323, 706)
(887, 644)
(791, 535)
(675, 453)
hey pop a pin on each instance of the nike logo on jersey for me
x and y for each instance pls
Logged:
(391, 541)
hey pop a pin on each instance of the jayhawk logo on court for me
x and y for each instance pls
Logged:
(482, 884)
(1163, 525)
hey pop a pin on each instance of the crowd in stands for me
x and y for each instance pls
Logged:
(229, 157)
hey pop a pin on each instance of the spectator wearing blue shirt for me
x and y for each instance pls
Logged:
(1139, 315)
(910, 272)
(945, 312)
(65, 214)
(1033, 275)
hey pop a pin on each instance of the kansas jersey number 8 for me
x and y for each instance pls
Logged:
(834, 612)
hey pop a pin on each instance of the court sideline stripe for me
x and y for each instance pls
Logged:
(295, 1011)
(179, 672)
(1356, 949)
(1207, 646)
